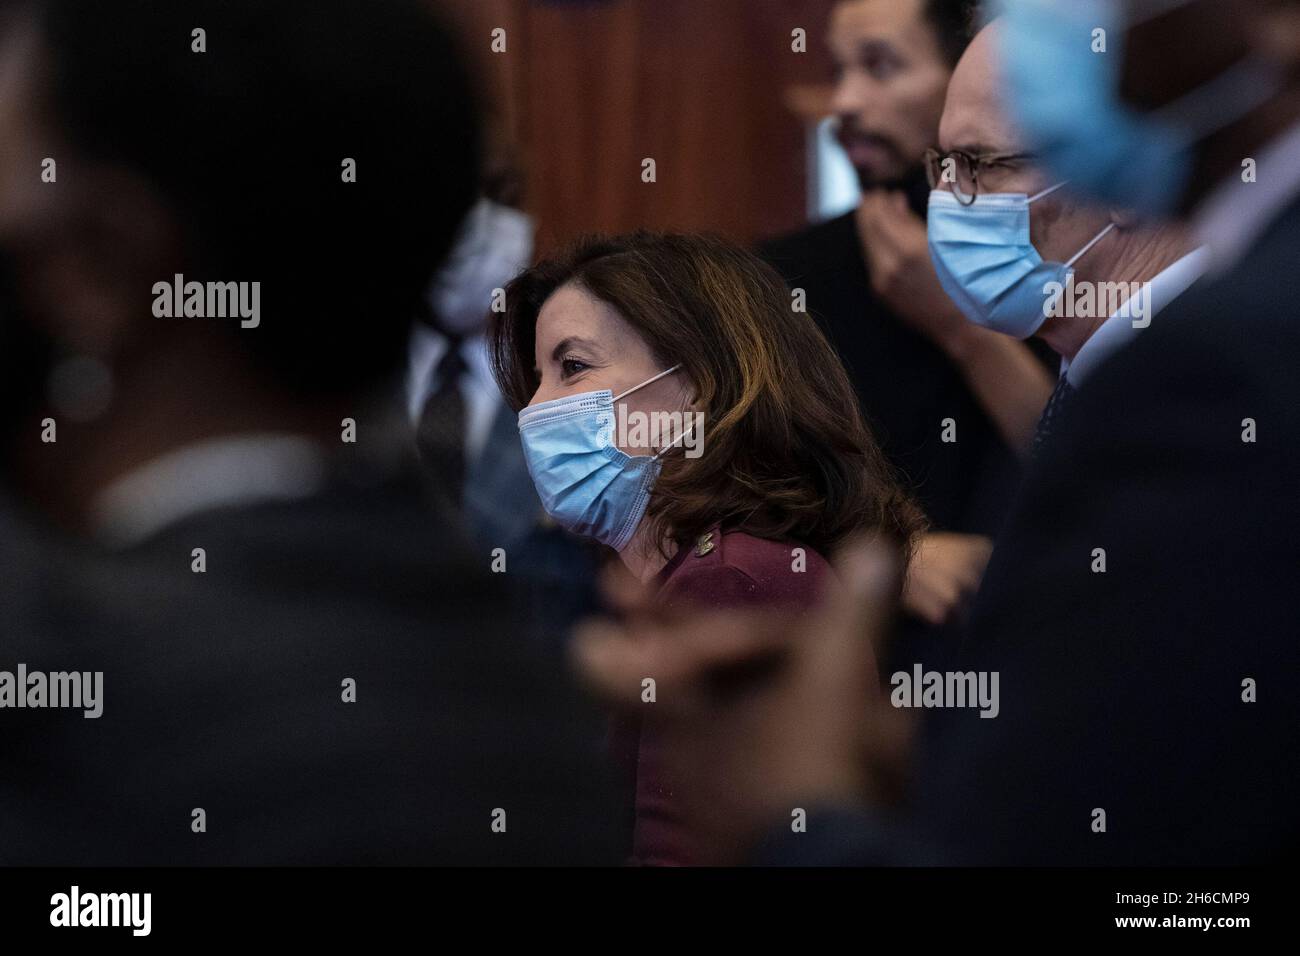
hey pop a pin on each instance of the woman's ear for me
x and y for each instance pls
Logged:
(696, 400)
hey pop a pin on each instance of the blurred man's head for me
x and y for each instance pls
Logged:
(1183, 49)
(893, 59)
(1151, 103)
(223, 157)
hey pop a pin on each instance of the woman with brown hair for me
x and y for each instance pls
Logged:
(676, 408)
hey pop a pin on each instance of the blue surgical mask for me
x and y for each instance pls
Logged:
(987, 263)
(1065, 99)
(586, 482)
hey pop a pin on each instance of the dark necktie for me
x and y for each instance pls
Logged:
(440, 436)
(1054, 415)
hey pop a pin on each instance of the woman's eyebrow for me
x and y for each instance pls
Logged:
(566, 344)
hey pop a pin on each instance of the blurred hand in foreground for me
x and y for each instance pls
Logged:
(944, 574)
(761, 712)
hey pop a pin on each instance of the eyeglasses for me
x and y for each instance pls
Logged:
(959, 172)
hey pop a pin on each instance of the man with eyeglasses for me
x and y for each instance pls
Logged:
(1020, 254)
(952, 405)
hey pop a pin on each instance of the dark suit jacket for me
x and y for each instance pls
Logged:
(721, 571)
(223, 691)
(1123, 691)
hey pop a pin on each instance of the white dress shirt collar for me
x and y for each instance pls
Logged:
(216, 473)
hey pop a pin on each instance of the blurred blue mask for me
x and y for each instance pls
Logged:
(1063, 93)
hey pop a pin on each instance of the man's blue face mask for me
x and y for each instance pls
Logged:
(1063, 92)
(586, 482)
(987, 263)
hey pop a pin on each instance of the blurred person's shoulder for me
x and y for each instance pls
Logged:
(344, 679)
(727, 568)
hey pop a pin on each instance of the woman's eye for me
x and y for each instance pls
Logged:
(571, 367)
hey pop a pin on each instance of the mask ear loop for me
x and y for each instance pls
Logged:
(1096, 239)
(674, 443)
(649, 381)
(1241, 88)
(1047, 192)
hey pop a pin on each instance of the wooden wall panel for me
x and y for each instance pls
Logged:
(590, 89)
